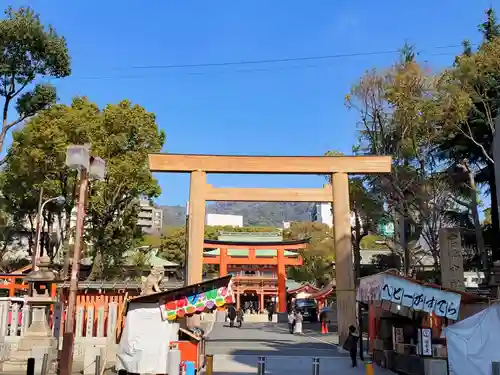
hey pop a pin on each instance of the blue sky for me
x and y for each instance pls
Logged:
(294, 108)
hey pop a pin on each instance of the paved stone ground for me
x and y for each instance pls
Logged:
(265, 339)
(236, 351)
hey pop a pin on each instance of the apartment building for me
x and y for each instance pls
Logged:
(322, 213)
(150, 217)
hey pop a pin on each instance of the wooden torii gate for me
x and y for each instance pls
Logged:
(336, 166)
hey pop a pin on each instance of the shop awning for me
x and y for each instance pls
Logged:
(191, 299)
(410, 293)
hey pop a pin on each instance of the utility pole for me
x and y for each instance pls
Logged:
(36, 250)
(406, 246)
(69, 336)
(78, 157)
(496, 158)
(403, 234)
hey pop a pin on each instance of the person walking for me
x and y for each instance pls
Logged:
(291, 321)
(351, 345)
(231, 312)
(239, 317)
(270, 311)
(298, 322)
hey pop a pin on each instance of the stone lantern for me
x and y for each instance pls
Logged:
(37, 340)
(40, 301)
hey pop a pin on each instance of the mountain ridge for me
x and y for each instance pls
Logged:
(254, 213)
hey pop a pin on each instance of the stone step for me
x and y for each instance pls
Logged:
(18, 365)
(13, 365)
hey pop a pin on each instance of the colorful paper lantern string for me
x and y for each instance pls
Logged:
(203, 302)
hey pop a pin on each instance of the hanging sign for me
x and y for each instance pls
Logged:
(415, 296)
(386, 229)
(195, 301)
(425, 336)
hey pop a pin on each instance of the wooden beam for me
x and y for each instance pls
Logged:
(245, 261)
(269, 164)
(269, 194)
(257, 246)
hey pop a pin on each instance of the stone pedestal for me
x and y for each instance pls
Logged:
(39, 332)
(39, 323)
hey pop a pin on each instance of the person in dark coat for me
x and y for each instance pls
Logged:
(231, 313)
(270, 311)
(351, 345)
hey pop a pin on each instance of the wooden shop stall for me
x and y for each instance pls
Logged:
(152, 326)
(406, 318)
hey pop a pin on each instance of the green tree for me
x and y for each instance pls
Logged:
(122, 134)
(469, 93)
(373, 242)
(30, 50)
(11, 254)
(318, 257)
(398, 115)
(173, 245)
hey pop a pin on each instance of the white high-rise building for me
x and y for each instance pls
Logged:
(150, 217)
(322, 213)
(224, 220)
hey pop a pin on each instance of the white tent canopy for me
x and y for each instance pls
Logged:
(145, 340)
(474, 343)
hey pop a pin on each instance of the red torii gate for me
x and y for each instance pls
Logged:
(257, 253)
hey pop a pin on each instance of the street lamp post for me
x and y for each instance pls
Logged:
(36, 252)
(78, 157)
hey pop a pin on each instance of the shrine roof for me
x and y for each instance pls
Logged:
(298, 288)
(244, 253)
(325, 291)
(254, 244)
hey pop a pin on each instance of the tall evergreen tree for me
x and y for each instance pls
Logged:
(475, 141)
(490, 28)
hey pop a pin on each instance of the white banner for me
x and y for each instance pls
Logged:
(403, 292)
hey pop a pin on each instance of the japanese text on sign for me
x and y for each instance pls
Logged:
(426, 341)
(418, 297)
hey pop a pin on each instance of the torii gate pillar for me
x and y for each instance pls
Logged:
(344, 270)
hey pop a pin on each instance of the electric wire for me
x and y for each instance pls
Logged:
(278, 64)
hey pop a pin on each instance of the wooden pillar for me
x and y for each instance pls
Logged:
(238, 304)
(222, 262)
(281, 280)
(261, 301)
(372, 327)
(346, 294)
(196, 232)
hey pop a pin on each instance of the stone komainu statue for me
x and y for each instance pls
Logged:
(151, 284)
